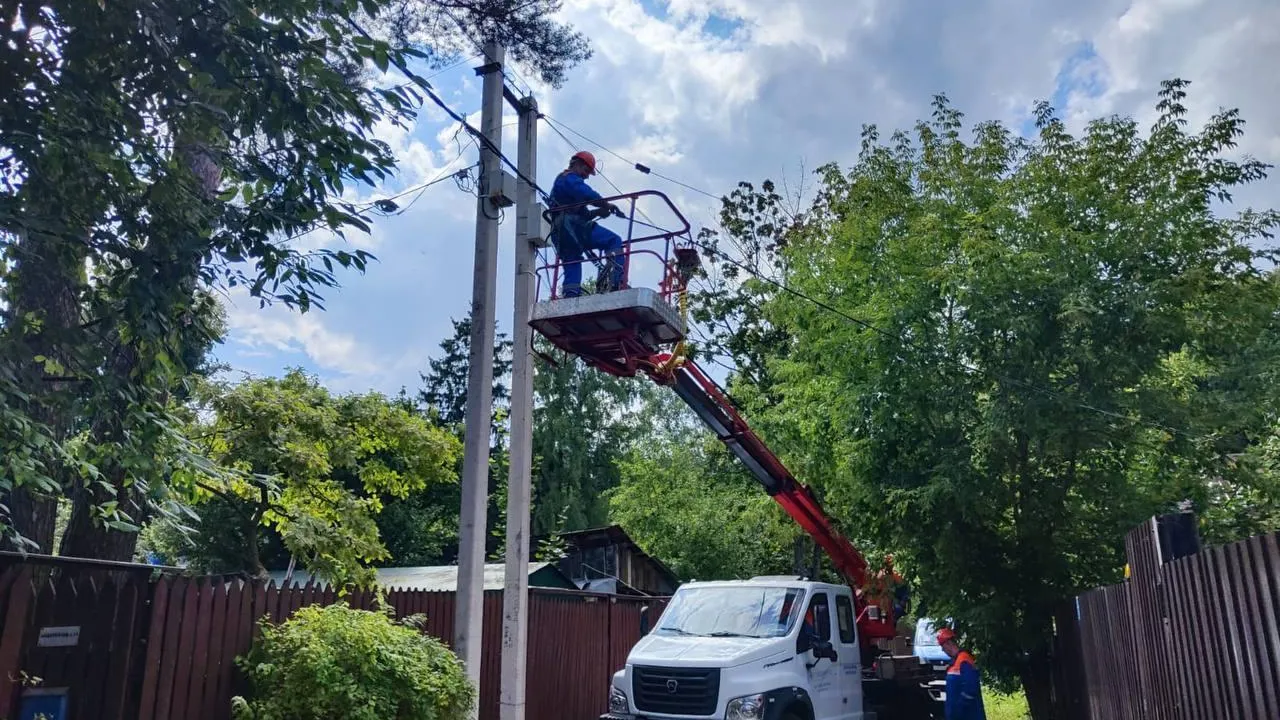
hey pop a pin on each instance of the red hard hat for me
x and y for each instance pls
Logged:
(946, 635)
(588, 159)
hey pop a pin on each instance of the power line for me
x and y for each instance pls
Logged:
(426, 87)
(445, 174)
(552, 122)
(612, 184)
(640, 167)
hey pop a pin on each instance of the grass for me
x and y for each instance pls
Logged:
(1005, 707)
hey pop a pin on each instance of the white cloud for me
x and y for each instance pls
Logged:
(790, 86)
(1226, 49)
(277, 328)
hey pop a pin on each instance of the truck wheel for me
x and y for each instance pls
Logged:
(793, 715)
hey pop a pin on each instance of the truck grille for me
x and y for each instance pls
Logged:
(676, 691)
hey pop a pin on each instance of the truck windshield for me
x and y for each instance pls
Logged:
(926, 636)
(732, 612)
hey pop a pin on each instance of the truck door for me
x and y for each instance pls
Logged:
(824, 675)
(850, 663)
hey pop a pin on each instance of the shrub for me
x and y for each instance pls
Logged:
(336, 662)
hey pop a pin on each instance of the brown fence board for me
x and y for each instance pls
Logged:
(1171, 586)
(155, 637)
(101, 669)
(128, 650)
(216, 632)
(1230, 640)
(1246, 609)
(1186, 639)
(1266, 559)
(237, 596)
(1196, 638)
(200, 653)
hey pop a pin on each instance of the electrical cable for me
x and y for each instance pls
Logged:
(552, 122)
(420, 188)
(617, 190)
(426, 87)
(442, 70)
(645, 169)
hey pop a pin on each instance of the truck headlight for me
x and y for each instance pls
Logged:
(750, 707)
(618, 702)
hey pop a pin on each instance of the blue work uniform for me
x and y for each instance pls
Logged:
(964, 692)
(575, 234)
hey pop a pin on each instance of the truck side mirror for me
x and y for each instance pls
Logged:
(823, 649)
(644, 620)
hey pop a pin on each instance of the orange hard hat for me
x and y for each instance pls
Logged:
(588, 159)
(946, 635)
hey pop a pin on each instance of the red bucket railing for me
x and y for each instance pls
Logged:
(663, 244)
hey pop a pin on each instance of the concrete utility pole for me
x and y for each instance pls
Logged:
(468, 634)
(515, 616)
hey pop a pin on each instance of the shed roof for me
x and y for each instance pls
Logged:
(445, 577)
(614, 535)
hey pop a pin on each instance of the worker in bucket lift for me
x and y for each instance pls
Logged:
(574, 233)
(964, 690)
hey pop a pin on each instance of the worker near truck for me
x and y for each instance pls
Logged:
(964, 687)
(574, 233)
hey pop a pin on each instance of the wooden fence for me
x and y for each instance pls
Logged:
(153, 645)
(1191, 634)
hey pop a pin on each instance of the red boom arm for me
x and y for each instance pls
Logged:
(705, 397)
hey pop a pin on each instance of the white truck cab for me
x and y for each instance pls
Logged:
(769, 648)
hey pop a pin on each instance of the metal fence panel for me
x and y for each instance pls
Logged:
(1194, 638)
(165, 647)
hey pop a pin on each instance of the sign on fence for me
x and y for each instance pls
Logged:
(66, 636)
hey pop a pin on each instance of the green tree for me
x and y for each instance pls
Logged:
(1003, 353)
(444, 385)
(579, 435)
(685, 499)
(422, 529)
(155, 149)
(311, 468)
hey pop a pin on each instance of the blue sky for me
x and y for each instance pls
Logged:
(712, 92)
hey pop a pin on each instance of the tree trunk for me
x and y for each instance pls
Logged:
(1037, 682)
(44, 319)
(32, 516)
(87, 537)
(173, 275)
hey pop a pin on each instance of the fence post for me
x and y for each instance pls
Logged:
(1157, 541)
(21, 597)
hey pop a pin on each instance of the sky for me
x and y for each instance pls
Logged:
(713, 92)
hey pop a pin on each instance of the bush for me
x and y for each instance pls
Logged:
(336, 662)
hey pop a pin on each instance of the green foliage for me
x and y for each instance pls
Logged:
(687, 501)
(581, 429)
(1005, 707)
(1000, 354)
(336, 662)
(172, 148)
(552, 546)
(527, 28)
(579, 435)
(444, 385)
(423, 529)
(313, 468)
